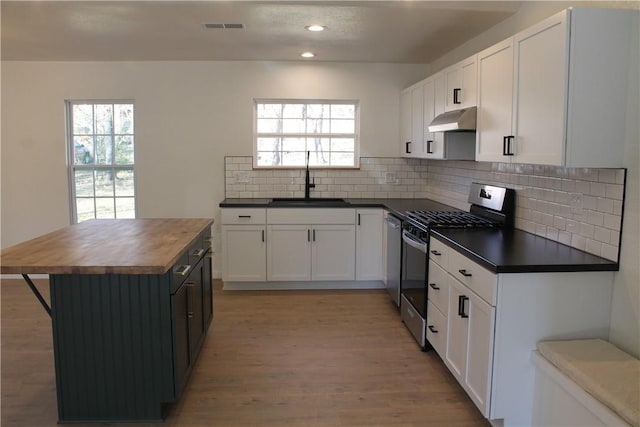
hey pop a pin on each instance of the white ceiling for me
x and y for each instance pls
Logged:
(400, 31)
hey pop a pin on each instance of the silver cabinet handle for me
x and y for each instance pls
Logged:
(198, 252)
(182, 270)
(190, 287)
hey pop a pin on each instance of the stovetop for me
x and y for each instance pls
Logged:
(454, 219)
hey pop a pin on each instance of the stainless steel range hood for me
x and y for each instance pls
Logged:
(464, 119)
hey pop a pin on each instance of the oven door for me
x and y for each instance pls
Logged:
(413, 285)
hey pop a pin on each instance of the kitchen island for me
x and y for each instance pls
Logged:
(131, 301)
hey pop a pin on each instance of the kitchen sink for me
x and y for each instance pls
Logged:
(301, 201)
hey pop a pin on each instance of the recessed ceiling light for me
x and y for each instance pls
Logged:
(315, 27)
(307, 54)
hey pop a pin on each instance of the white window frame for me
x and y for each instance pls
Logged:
(355, 135)
(72, 167)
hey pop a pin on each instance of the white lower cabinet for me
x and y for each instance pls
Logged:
(470, 342)
(288, 252)
(310, 252)
(244, 253)
(493, 322)
(333, 252)
(244, 247)
(369, 244)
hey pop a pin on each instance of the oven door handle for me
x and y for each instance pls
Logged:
(413, 242)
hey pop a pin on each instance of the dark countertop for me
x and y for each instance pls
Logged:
(499, 250)
(396, 206)
(516, 251)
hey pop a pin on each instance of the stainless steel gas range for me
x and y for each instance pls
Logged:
(490, 207)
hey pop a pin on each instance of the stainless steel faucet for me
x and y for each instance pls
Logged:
(308, 184)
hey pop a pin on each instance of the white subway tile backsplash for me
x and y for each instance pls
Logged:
(614, 191)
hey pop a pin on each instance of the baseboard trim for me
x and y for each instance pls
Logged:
(320, 285)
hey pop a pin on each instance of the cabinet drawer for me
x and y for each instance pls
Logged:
(238, 216)
(311, 216)
(438, 291)
(439, 252)
(436, 329)
(477, 278)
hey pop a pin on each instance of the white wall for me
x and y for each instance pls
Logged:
(189, 115)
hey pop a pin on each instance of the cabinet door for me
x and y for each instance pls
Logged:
(540, 87)
(195, 318)
(479, 351)
(179, 308)
(461, 84)
(495, 102)
(439, 97)
(369, 244)
(333, 252)
(288, 252)
(433, 149)
(457, 330)
(243, 253)
(405, 123)
(207, 291)
(417, 120)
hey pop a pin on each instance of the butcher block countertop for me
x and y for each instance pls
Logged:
(105, 246)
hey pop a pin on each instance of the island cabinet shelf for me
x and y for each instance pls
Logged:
(125, 342)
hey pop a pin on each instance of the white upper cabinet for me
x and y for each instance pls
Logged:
(557, 93)
(461, 84)
(495, 105)
(433, 91)
(411, 121)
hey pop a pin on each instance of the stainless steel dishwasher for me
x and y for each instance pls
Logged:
(394, 257)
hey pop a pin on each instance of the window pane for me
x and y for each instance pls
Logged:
(104, 119)
(83, 150)
(294, 111)
(344, 111)
(318, 144)
(82, 119)
(293, 125)
(104, 183)
(124, 183)
(124, 150)
(342, 144)
(85, 209)
(269, 144)
(84, 183)
(269, 126)
(293, 144)
(342, 159)
(269, 158)
(293, 158)
(104, 150)
(105, 208)
(125, 207)
(342, 126)
(318, 126)
(319, 158)
(123, 118)
(269, 111)
(318, 110)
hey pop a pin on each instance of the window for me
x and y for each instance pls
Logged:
(286, 129)
(101, 158)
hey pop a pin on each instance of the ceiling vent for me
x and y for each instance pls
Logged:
(223, 26)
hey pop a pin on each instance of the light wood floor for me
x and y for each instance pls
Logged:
(283, 358)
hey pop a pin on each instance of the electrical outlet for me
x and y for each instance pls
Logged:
(390, 178)
(243, 178)
(576, 203)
